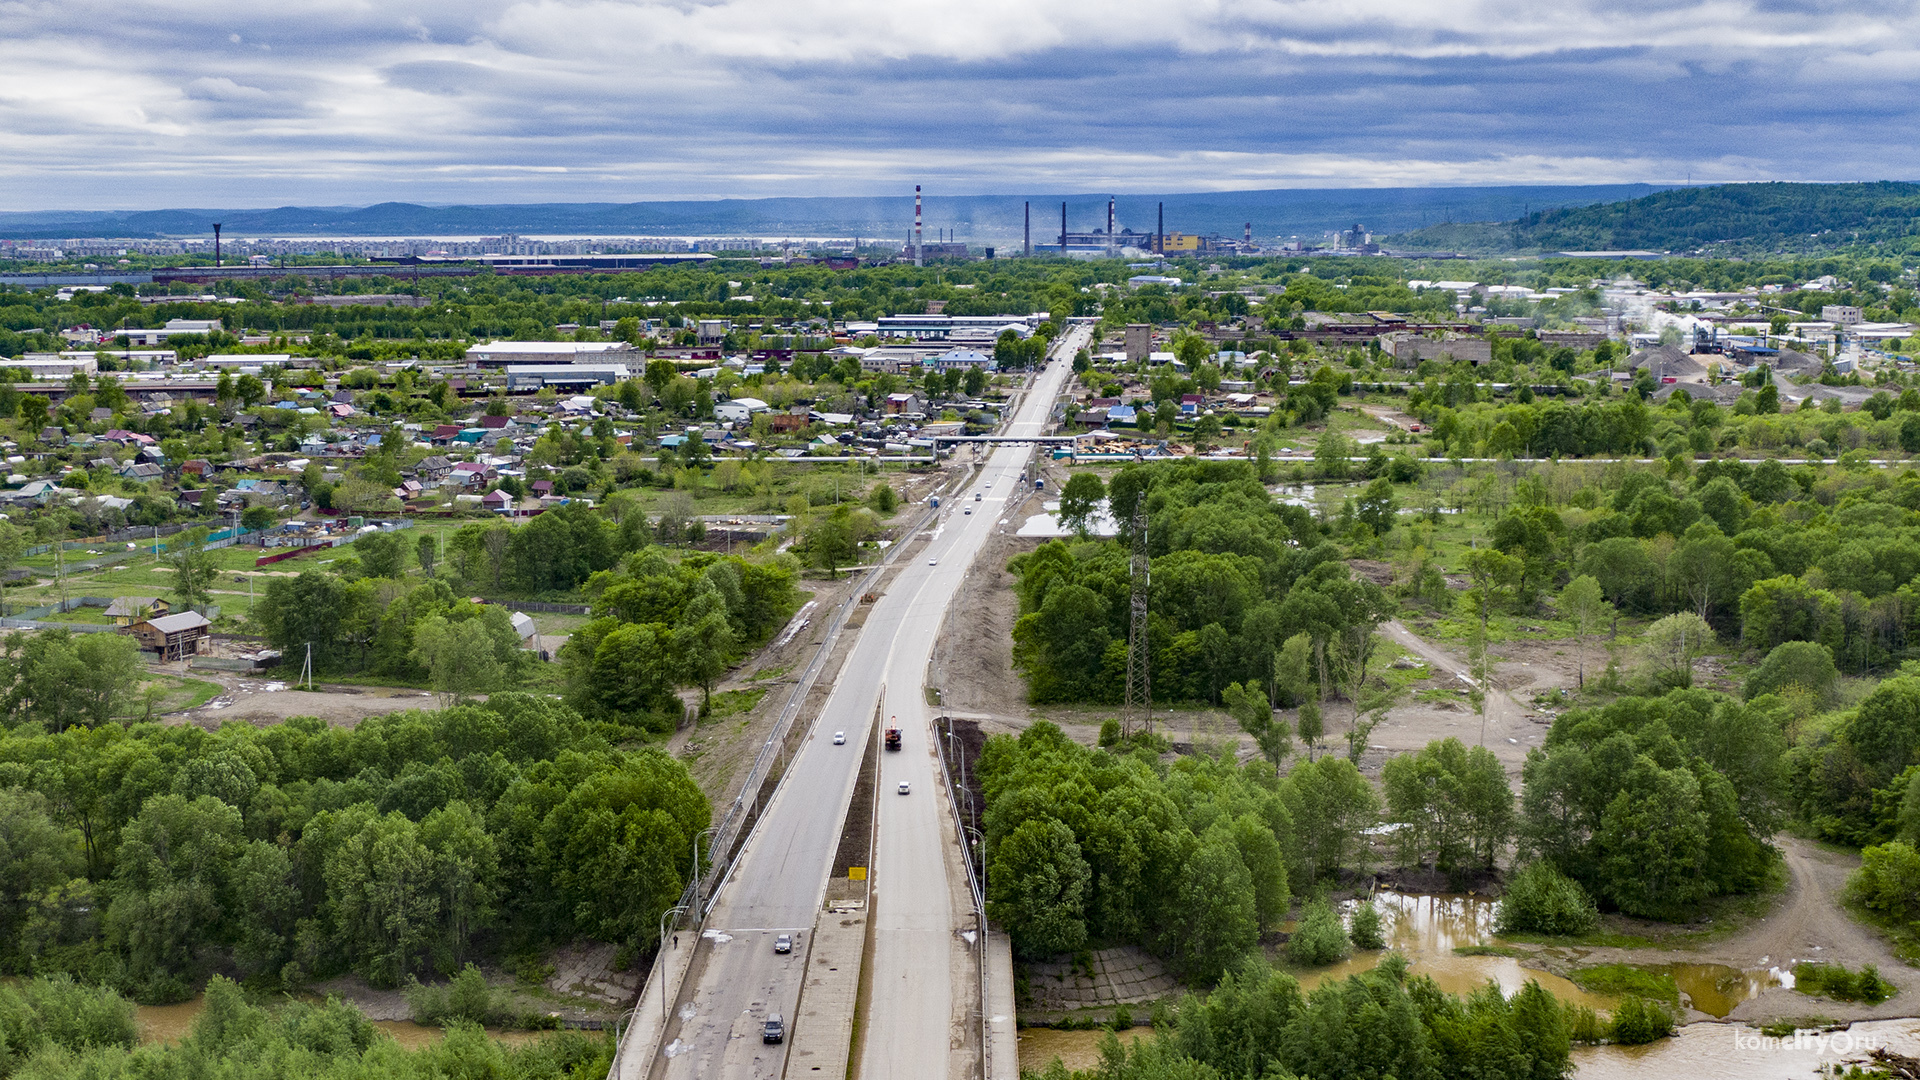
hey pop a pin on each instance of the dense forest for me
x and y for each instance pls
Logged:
(1732, 218)
(146, 857)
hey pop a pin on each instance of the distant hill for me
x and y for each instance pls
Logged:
(1734, 218)
(981, 219)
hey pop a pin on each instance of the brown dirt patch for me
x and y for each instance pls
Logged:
(973, 664)
(263, 702)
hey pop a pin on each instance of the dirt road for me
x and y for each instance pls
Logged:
(1510, 728)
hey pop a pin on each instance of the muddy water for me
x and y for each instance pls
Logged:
(171, 1023)
(1712, 1050)
(1697, 1051)
(1426, 930)
(1075, 1049)
(1715, 989)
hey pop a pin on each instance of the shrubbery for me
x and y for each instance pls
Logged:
(1542, 900)
(1363, 926)
(1836, 982)
(1639, 1020)
(1320, 939)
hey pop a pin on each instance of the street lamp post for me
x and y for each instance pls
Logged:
(665, 1005)
(695, 876)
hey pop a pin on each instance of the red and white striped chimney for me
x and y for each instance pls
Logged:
(916, 225)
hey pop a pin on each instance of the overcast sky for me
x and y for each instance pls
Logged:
(143, 103)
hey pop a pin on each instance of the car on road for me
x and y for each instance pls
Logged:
(783, 943)
(775, 1031)
(968, 511)
(976, 496)
(839, 738)
(933, 562)
(903, 787)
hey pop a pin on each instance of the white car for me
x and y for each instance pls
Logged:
(903, 787)
(933, 562)
(839, 738)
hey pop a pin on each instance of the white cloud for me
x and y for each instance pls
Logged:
(351, 100)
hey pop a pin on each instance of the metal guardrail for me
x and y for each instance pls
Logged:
(976, 883)
(744, 814)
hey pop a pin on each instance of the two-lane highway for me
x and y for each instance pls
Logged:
(779, 882)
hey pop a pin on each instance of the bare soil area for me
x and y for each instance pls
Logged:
(262, 702)
(1807, 922)
(973, 664)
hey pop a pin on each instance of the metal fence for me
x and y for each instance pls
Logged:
(748, 806)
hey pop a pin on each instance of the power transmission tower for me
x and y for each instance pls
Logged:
(1139, 690)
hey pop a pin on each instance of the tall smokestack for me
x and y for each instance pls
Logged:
(1160, 232)
(216, 245)
(1249, 234)
(1109, 225)
(1027, 244)
(1063, 228)
(916, 225)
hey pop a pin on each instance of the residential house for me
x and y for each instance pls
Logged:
(497, 501)
(433, 469)
(471, 475)
(127, 610)
(196, 467)
(900, 404)
(172, 637)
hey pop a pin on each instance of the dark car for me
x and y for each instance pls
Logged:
(775, 1031)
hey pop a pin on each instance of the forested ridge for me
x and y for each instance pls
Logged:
(1735, 218)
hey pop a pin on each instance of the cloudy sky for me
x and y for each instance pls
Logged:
(150, 103)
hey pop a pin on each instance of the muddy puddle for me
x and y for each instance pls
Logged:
(1075, 1049)
(1715, 989)
(1696, 1051)
(1427, 930)
(171, 1023)
(1713, 1050)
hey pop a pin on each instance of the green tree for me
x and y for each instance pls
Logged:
(1320, 939)
(1037, 889)
(382, 896)
(1583, 604)
(382, 554)
(1222, 920)
(193, 568)
(1804, 665)
(1080, 499)
(427, 552)
(1673, 643)
(1331, 805)
(459, 657)
(1330, 455)
(1250, 709)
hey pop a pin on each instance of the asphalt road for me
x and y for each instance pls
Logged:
(779, 881)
